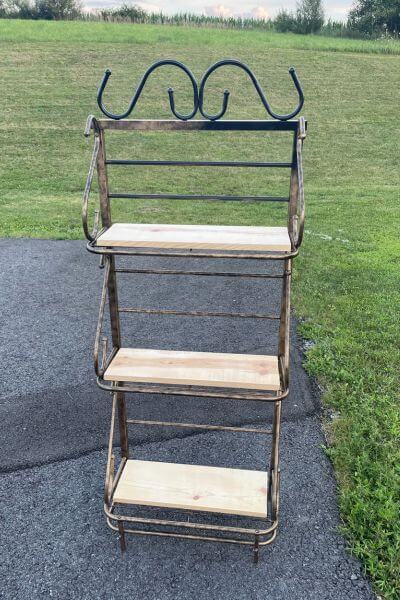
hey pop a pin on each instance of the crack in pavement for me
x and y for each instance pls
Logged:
(155, 439)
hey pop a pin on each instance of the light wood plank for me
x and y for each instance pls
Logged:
(247, 371)
(206, 237)
(193, 487)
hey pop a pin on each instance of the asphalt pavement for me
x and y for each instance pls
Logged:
(54, 426)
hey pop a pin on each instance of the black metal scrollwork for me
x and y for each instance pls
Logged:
(139, 90)
(198, 92)
(261, 94)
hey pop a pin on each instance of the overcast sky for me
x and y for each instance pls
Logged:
(260, 8)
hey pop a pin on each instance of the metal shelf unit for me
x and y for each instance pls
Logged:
(123, 371)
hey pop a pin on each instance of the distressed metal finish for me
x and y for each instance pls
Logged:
(200, 426)
(187, 390)
(295, 199)
(91, 236)
(105, 350)
(284, 326)
(230, 534)
(182, 254)
(199, 313)
(200, 273)
(198, 91)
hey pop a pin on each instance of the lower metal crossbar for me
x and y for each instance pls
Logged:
(258, 537)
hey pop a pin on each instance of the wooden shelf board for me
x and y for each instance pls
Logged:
(244, 371)
(193, 487)
(206, 237)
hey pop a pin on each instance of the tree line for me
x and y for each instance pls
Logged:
(367, 18)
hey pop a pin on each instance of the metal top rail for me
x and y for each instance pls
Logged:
(199, 92)
(195, 163)
(197, 125)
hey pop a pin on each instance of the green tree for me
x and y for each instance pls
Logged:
(309, 16)
(375, 16)
(7, 8)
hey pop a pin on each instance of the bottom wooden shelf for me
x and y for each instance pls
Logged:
(193, 487)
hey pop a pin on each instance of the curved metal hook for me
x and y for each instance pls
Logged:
(141, 85)
(237, 63)
(91, 123)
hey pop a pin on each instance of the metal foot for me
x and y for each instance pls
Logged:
(122, 541)
(256, 549)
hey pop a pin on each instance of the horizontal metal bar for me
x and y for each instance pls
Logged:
(195, 313)
(200, 426)
(201, 197)
(203, 538)
(184, 536)
(187, 524)
(179, 390)
(112, 516)
(198, 125)
(200, 273)
(182, 254)
(196, 163)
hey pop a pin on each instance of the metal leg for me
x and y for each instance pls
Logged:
(273, 491)
(116, 339)
(284, 327)
(122, 541)
(275, 495)
(256, 549)
(123, 430)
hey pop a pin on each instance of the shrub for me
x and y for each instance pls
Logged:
(17, 9)
(308, 18)
(285, 21)
(58, 9)
(127, 12)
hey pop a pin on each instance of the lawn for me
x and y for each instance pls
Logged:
(346, 293)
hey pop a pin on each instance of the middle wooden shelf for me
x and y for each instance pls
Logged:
(244, 371)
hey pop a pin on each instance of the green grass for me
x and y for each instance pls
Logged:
(346, 292)
(14, 30)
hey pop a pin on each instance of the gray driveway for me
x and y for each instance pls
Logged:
(54, 425)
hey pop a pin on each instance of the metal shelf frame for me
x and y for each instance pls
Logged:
(105, 350)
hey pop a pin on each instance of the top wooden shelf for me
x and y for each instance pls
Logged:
(206, 237)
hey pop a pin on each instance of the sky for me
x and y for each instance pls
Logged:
(336, 9)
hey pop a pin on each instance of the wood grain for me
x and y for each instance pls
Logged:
(193, 487)
(211, 237)
(247, 371)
